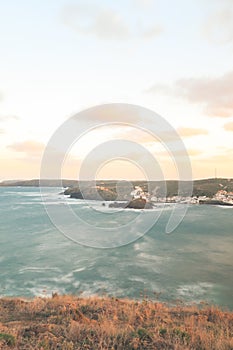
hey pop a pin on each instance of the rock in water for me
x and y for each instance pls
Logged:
(138, 203)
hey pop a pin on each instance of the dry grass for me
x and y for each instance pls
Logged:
(72, 323)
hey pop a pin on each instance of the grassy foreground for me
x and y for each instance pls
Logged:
(71, 323)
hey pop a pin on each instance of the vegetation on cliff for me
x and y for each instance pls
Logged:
(92, 193)
(72, 323)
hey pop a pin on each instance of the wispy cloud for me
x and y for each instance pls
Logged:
(105, 23)
(112, 113)
(181, 153)
(6, 118)
(215, 94)
(194, 152)
(189, 132)
(29, 148)
(144, 3)
(152, 32)
(228, 126)
(218, 28)
(225, 158)
(141, 136)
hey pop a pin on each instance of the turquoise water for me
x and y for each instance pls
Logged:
(193, 264)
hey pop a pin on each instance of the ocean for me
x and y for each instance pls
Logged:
(193, 264)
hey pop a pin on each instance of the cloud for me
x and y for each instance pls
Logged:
(189, 132)
(6, 118)
(160, 89)
(225, 158)
(144, 3)
(228, 126)
(29, 147)
(141, 136)
(104, 23)
(19, 168)
(180, 153)
(109, 25)
(144, 137)
(133, 134)
(215, 94)
(89, 20)
(194, 152)
(152, 32)
(114, 113)
(218, 28)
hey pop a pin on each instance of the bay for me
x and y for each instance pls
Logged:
(193, 264)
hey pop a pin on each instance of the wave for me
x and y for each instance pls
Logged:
(38, 269)
(225, 206)
(195, 291)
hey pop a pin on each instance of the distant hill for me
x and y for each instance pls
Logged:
(201, 187)
(38, 183)
(209, 187)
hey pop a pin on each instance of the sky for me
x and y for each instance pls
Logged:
(60, 57)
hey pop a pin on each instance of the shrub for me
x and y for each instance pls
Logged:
(8, 338)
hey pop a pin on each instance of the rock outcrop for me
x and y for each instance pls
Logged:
(91, 193)
(138, 203)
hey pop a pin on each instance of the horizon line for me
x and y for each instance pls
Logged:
(115, 179)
